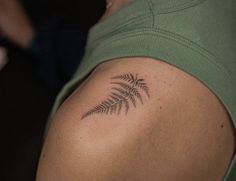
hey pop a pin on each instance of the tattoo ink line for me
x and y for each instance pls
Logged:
(127, 90)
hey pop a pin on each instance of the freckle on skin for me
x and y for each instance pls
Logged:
(222, 126)
(160, 107)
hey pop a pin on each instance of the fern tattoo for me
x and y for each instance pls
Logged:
(127, 90)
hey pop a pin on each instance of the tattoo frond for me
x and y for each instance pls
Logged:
(126, 90)
(144, 87)
(127, 77)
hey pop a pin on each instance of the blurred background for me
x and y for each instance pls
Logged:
(27, 90)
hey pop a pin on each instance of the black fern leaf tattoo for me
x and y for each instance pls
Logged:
(126, 91)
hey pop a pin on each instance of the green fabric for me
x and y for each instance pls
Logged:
(197, 36)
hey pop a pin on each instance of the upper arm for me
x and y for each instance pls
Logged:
(112, 128)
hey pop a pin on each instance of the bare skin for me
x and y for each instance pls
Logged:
(113, 6)
(3, 58)
(15, 24)
(181, 132)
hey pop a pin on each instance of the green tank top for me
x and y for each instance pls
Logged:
(197, 36)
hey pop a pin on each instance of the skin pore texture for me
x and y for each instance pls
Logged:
(173, 129)
(176, 134)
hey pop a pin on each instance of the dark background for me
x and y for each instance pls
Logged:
(25, 102)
